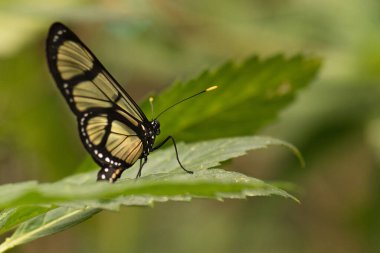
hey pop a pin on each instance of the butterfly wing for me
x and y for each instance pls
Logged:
(109, 119)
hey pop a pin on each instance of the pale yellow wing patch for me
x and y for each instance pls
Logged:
(73, 60)
(96, 128)
(123, 143)
(112, 91)
(87, 95)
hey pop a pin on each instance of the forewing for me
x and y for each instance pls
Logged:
(83, 80)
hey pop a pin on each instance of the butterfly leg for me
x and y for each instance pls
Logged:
(141, 166)
(176, 151)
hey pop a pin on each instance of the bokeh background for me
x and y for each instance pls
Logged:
(148, 44)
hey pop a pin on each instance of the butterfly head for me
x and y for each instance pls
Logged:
(156, 127)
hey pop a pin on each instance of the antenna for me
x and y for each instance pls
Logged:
(183, 100)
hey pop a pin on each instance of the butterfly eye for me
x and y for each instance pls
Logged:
(156, 127)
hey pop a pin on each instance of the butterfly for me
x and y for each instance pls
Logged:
(112, 127)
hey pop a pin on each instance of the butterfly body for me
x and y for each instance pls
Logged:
(112, 127)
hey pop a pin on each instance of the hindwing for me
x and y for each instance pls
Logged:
(110, 139)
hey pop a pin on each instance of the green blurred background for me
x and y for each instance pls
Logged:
(150, 43)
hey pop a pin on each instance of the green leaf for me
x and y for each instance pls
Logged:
(81, 197)
(250, 95)
(52, 222)
(12, 217)
(195, 156)
(215, 184)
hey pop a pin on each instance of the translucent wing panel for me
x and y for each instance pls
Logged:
(118, 96)
(88, 94)
(96, 129)
(88, 89)
(123, 143)
(73, 60)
